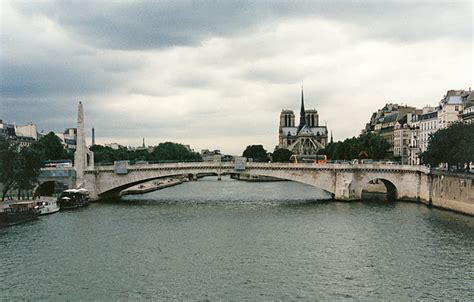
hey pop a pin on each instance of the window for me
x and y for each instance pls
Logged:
(456, 108)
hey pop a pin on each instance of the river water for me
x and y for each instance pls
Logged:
(232, 240)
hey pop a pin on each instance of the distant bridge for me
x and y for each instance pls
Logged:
(342, 181)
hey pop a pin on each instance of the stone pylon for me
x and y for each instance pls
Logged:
(83, 157)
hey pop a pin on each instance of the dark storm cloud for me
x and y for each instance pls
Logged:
(203, 72)
(49, 79)
(31, 65)
(148, 25)
(48, 114)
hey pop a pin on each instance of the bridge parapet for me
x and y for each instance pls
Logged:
(343, 167)
(258, 165)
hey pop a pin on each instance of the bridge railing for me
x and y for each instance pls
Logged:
(132, 163)
(144, 162)
(261, 165)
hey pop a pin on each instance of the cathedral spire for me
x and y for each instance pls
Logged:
(302, 112)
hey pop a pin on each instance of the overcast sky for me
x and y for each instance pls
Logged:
(216, 74)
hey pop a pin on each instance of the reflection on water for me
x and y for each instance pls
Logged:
(234, 240)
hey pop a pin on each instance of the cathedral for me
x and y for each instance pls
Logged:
(305, 139)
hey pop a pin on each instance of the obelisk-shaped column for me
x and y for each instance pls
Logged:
(80, 154)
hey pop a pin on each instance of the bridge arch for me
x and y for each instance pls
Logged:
(390, 181)
(114, 191)
(375, 185)
(320, 180)
(49, 188)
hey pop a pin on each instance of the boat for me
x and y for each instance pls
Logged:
(73, 198)
(19, 212)
(47, 206)
(153, 186)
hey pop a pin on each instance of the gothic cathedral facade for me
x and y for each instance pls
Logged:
(305, 139)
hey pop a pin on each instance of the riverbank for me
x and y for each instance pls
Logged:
(6, 203)
(151, 186)
(453, 191)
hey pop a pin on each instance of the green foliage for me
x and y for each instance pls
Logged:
(18, 168)
(50, 148)
(30, 164)
(374, 145)
(256, 152)
(281, 156)
(163, 152)
(104, 154)
(9, 164)
(453, 145)
(173, 151)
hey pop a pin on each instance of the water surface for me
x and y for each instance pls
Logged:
(233, 240)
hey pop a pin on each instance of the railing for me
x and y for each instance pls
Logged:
(139, 162)
(260, 165)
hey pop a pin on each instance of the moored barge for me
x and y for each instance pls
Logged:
(19, 212)
(73, 198)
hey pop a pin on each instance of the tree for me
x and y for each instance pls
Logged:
(9, 165)
(18, 168)
(28, 171)
(51, 148)
(282, 156)
(106, 154)
(256, 152)
(371, 145)
(169, 151)
(163, 152)
(375, 145)
(453, 145)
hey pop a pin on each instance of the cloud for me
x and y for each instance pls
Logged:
(39, 59)
(217, 74)
(152, 25)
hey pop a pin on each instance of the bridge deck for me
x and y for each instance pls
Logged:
(267, 166)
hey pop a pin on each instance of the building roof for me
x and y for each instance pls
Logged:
(429, 115)
(403, 120)
(454, 100)
(390, 118)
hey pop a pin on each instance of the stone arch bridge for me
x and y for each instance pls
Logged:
(343, 181)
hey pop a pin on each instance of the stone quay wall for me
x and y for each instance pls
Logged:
(453, 192)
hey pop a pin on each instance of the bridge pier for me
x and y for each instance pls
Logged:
(344, 187)
(344, 194)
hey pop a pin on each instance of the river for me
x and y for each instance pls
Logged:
(231, 240)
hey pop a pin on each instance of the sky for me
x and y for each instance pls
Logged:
(216, 74)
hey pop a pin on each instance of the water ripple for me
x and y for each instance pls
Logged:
(229, 240)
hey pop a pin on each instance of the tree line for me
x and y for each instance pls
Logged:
(20, 167)
(164, 152)
(367, 145)
(453, 145)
